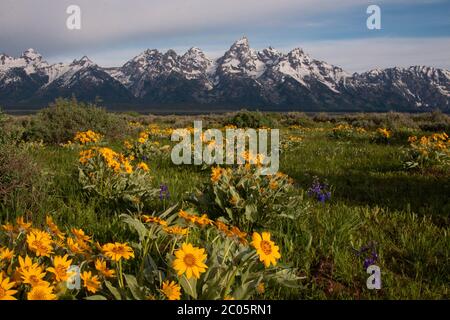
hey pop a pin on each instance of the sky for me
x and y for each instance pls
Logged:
(413, 32)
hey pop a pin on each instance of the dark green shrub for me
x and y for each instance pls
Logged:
(19, 179)
(2, 126)
(59, 122)
(435, 121)
(397, 121)
(252, 119)
(11, 131)
(298, 119)
(324, 117)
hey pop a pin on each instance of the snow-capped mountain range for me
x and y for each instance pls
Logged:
(242, 77)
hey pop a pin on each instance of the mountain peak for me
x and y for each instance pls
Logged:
(147, 55)
(151, 52)
(195, 58)
(84, 62)
(299, 56)
(194, 51)
(170, 53)
(241, 44)
(242, 41)
(31, 55)
(297, 52)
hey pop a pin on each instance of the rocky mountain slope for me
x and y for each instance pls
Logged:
(242, 77)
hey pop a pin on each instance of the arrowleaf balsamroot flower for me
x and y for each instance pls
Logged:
(87, 137)
(6, 254)
(5, 289)
(80, 235)
(176, 230)
(117, 251)
(60, 267)
(100, 265)
(216, 173)
(143, 166)
(267, 250)
(22, 224)
(40, 242)
(152, 219)
(91, 283)
(27, 264)
(34, 277)
(43, 292)
(171, 290)
(190, 260)
(75, 247)
(384, 132)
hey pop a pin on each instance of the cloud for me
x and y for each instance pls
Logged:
(359, 55)
(25, 23)
(113, 31)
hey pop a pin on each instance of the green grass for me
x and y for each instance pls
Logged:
(373, 199)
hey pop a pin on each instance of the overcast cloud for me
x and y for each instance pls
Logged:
(113, 31)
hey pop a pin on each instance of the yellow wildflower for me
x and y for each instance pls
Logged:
(171, 290)
(267, 250)
(190, 261)
(91, 283)
(117, 251)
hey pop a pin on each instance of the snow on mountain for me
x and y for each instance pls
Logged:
(196, 64)
(301, 67)
(242, 76)
(241, 60)
(55, 71)
(30, 61)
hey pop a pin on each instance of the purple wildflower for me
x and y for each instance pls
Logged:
(164, 192)
(320, 191)
(369, 253)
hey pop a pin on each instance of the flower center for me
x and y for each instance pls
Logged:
(61, 270)
(39, 294)
(118, 250)
(169, 291)
(2, 292)
(34, 280)
(40, 247)
(266, 247)
(189, 260)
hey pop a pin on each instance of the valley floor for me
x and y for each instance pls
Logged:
(378, 209)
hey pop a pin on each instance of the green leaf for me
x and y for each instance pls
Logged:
(136, 225)
(134, 287)
(189, 286)
(168, 211)
(96, 297)
(113, 290)
(250, 212)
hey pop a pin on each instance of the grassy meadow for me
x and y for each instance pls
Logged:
(355, 189)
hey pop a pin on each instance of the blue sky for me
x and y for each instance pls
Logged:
(113, 31)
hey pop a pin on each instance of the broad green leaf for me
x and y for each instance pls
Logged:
(114, 291)
(134, 287)
(96, 297)
(189, 286)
